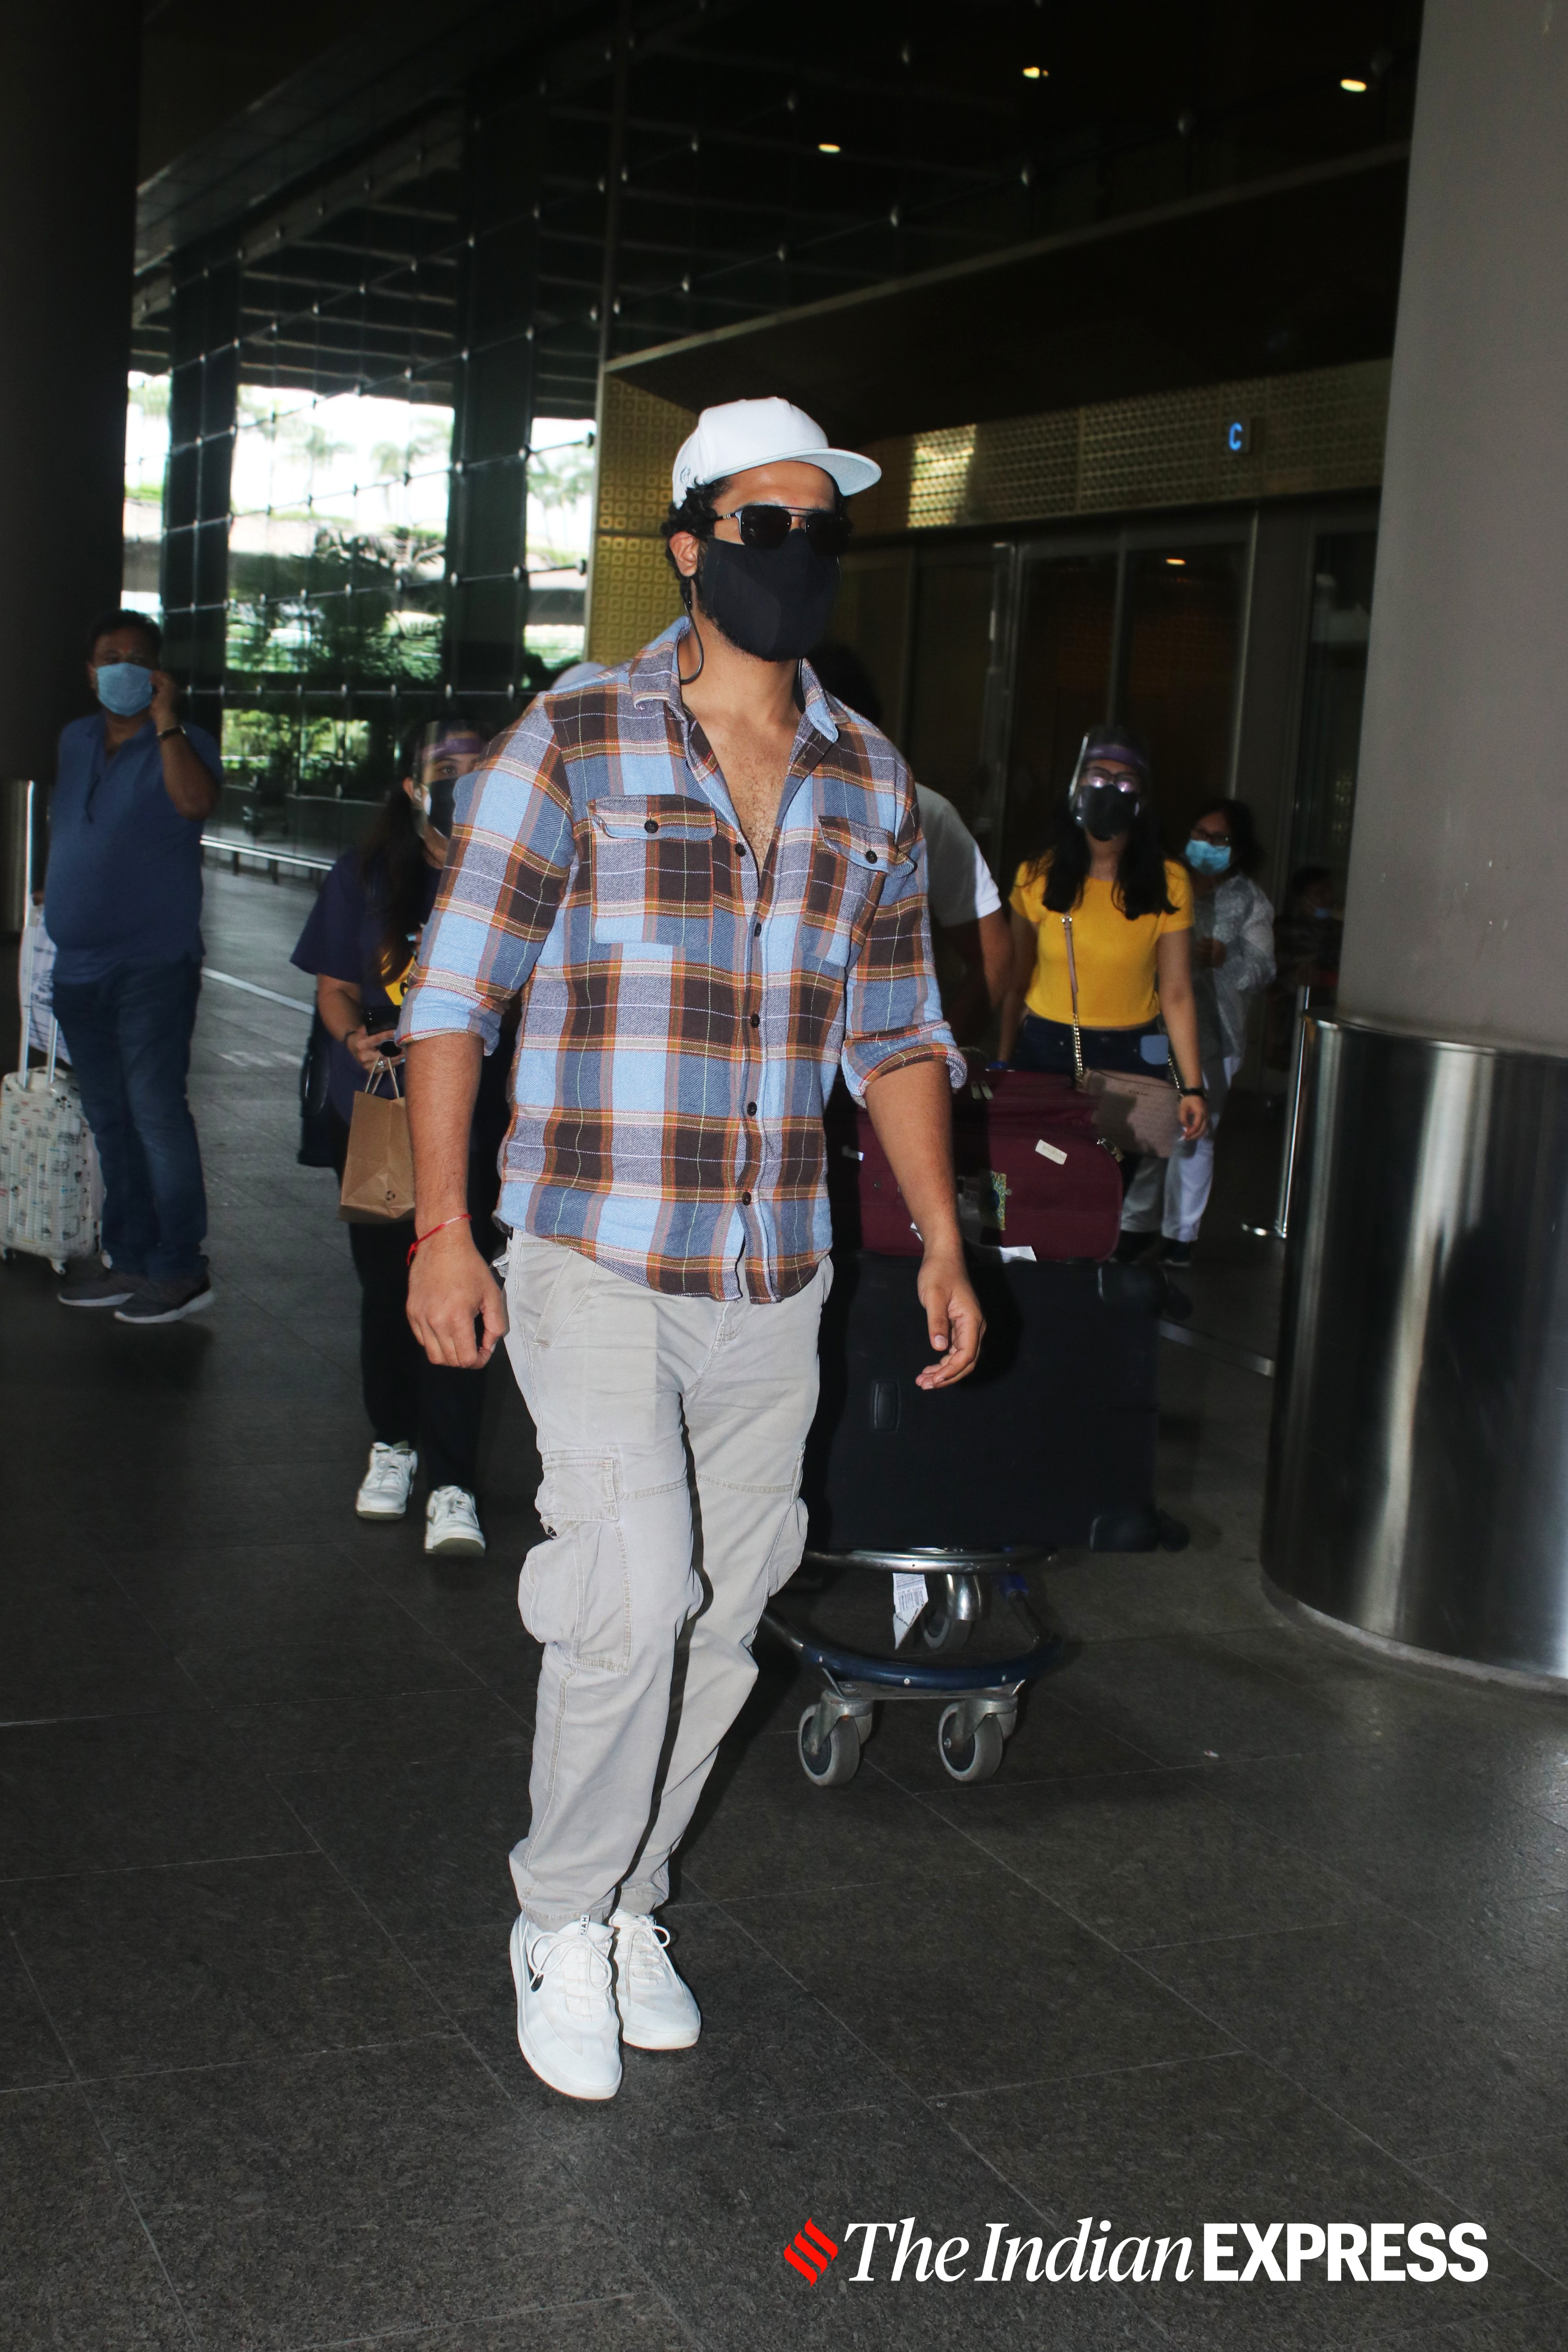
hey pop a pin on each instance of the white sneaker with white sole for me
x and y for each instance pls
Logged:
(566, 2023)
(383, 1490)
(657, 2011)
(452, 1524)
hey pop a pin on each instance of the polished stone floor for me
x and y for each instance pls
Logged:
(1249, 1927)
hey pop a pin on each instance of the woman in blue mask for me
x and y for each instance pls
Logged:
(1233, 957)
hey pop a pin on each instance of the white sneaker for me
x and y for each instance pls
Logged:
(383, 1491)
(452, 1524)
(566, 2023)
(657, 2011)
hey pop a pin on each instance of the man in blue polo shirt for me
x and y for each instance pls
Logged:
(122, 903)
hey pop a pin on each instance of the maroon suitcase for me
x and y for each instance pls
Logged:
(1032, 1174)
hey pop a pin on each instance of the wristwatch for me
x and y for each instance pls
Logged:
(165, 732)
(1196, 1090)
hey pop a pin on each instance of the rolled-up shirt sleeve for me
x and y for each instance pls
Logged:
(513, 854)
(892, 1012)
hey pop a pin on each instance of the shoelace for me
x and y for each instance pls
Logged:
(648, 1945)
(583, 1971)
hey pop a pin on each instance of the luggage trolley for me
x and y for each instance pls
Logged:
(1051, 1443)
(982, 1710)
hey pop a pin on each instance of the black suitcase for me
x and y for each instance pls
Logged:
(1049, 1442)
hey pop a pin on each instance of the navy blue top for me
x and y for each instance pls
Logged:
(343, 940)
(124, 882)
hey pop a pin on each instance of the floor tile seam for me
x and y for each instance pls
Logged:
(139, 1613)
(109, 1715)
(1097, 2074)
(1065, 1910)
(399, 1603)
(1081, 1715)
(1416, 2167)
(421, 2330)
(895, 2080)
(111, 2160)
(1305, 1853)
(185, 1861)
(273, 2060)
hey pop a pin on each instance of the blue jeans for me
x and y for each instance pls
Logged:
(130, 1040)
(1047, 1046)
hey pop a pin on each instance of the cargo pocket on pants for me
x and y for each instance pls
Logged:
(574, 1590)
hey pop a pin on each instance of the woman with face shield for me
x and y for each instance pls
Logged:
(359, 943)
(1131, 916)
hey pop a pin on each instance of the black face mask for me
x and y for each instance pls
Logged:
(771, 603)
(1104, 811)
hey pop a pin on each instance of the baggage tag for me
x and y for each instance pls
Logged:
(909, 1599)
(1048, 1152)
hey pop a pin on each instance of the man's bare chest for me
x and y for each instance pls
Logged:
(755, 771)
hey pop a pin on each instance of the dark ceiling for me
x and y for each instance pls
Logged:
(1122, 197)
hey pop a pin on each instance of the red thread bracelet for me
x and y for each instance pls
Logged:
(441, 1228)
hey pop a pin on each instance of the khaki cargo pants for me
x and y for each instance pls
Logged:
(671, 1431)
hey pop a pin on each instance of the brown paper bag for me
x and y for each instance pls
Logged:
(378, 1170)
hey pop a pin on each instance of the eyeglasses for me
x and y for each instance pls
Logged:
(1101, 780)
(1220, 840)
(825, 529)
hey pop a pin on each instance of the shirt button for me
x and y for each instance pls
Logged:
(745, 1200)
(870, 858)
(750, 1110)
(650, 825)
(756, 1019)
(739, 849)
(756, 930)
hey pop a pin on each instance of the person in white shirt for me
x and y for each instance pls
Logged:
(1233, 957)
(970, 930)
(967, 917)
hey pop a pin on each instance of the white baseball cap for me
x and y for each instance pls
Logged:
(742, 433)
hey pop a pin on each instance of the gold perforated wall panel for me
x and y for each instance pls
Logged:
(1319, 432)
(632, 595)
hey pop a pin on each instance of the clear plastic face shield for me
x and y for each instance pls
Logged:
(446, 753)
(1106, 792)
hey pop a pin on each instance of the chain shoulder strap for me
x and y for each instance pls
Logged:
(1072, 984)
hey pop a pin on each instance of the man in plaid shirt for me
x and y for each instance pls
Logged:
(707, 878)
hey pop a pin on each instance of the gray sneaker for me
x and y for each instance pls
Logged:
(167, 1302)
(89, 1282)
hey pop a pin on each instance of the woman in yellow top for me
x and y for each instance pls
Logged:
(1131, 934)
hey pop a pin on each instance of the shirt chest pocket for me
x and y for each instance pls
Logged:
(850, 863)
(652, 869)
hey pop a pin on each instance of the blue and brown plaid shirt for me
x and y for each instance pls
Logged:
(683, 1017)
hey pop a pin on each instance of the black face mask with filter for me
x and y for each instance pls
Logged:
(1104, 810)
(772, 603)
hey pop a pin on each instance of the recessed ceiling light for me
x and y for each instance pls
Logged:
(1177, 559)
(1036, 73)
(828, 147)
(1357, 88)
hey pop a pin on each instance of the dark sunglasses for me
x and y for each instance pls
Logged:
(827, 530)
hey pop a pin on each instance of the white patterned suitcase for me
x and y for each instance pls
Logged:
(51, 1188)
(51, 1192)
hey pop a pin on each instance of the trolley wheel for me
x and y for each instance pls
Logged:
(969, 1752)
(829, 1762)
(58, 1264)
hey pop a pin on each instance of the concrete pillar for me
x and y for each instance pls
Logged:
(68, 213)
(1418, 1475)
(1458, 877)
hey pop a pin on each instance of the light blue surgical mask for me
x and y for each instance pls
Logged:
(1208, 856)
(124, 688)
